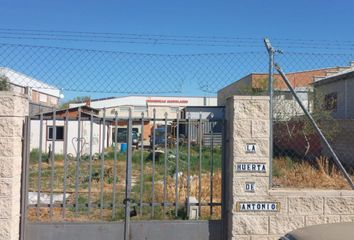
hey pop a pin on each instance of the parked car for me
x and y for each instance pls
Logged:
(122, 137)
(160, 138)
(333, 231)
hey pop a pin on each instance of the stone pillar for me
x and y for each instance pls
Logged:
(252, 210)
(247, 161)
(13, 109)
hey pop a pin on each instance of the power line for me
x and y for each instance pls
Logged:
(320, 47)
(299, 40)
(313, 45)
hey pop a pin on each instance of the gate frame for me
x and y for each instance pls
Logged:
(219, 224)
(25, 175)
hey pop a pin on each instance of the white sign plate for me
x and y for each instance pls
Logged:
(251, 167)
(250, 187)
(258, 206)
(250, 147)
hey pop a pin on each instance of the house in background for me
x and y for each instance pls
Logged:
(284, 105)
(41, 94)
(332, 86)
(336, 94)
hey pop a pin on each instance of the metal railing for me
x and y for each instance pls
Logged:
(86, 169)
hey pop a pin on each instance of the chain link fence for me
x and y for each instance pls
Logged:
(322, 80)
(94, 71)
(323, 84)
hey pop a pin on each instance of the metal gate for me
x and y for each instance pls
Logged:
(91, 174)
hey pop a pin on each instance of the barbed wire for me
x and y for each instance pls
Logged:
(208, 38)
(149, 36)
(176, 40)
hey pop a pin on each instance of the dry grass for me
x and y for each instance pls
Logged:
(205, 194)
(320, 175)
(286, 174)
(159, 197)
(95, 215)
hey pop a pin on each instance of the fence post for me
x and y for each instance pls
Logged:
(271, 53)
(13, 111)
(128, 177)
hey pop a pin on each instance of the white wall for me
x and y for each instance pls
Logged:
(142, 101)
(72, 135)
(285, 108)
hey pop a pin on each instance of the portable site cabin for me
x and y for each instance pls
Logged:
(71, 131)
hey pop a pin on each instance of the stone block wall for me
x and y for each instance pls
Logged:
(253, 210)
(13, 109)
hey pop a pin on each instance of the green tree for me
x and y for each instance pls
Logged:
(75, 100)
(4, 84)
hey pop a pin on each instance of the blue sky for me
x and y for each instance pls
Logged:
(315, 19)
(277, 19)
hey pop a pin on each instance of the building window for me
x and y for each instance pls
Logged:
(59, 133)
(53, 101)
(331, 101)
(124, 109)
(43, 98)
(140, 109)
(288, 96)
(174, 109)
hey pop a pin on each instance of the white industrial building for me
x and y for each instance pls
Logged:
(164, 106)
(146, 104)
(138, 105)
